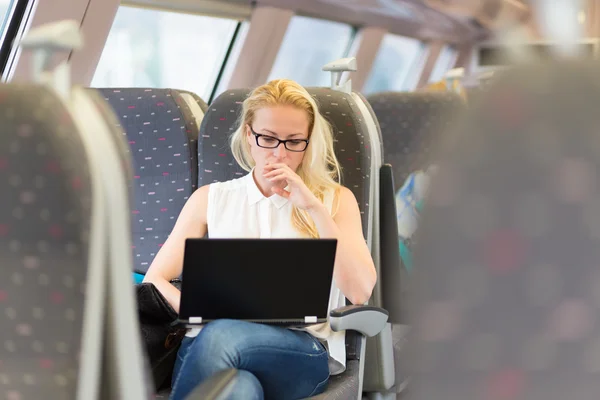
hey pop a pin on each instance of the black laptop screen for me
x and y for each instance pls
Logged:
(257, 279)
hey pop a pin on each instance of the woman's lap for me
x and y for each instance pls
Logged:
(288, 364)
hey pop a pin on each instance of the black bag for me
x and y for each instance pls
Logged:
(161, 340)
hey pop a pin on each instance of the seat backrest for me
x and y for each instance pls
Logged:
(506, 282)
(45, 218)
(196, 105)
(161, 128)
(410, 123)
(216, 163)
(354, 132)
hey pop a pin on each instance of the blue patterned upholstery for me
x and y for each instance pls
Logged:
(45, 217)
(161, 131)
(506, 281)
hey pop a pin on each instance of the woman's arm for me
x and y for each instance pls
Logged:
(168, 263)
(354, 270)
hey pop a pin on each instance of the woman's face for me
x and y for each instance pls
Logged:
(283, 123)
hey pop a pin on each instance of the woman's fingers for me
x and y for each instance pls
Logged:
(275, 171)
(275, 166)
(274, 174)
(278, 178)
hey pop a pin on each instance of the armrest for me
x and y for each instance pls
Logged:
(392, 267)
(368, 320)
(217, 387)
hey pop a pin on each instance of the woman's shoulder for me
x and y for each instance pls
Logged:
(210, 189)
(207, 196)
(232, 184)
(340, 197)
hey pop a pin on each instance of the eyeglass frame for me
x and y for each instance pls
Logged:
(279, 141)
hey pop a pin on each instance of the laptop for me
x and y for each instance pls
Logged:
(270, 281)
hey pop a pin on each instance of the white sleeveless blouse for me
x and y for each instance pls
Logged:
(237, 209)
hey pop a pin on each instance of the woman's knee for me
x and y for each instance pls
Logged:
(219, 343)
(246, 386)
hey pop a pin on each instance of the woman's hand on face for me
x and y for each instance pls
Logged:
(297, 192)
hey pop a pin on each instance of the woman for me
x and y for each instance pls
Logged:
(291, 191)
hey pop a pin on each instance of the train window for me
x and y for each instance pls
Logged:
(232, 59)
(308, 44)
(156, 48)
(397, 64)
(444, 63)
(13, 13)
(5, 6)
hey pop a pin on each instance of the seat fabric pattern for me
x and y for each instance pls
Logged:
(161, 132)
(45, 218)
(410, 123)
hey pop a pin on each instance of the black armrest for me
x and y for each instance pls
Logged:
(391, 263)
(217, 387)
(367, 320)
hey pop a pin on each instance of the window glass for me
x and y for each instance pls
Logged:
(397, 64)
(308, 45)
(155, 48)
(443, 64)
(6, 9)
(5, 6)
(232, 60)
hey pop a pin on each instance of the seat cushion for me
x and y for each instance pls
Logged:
(343, 386)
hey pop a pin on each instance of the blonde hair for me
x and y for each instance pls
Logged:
(320, 170)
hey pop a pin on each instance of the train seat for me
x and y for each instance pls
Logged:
(409, 123)
(506, 277)
(352, 144)
(161, 126)
(45, 226)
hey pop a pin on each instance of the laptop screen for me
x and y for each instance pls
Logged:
(257, 279)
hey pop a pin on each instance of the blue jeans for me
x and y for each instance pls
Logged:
(273, 362)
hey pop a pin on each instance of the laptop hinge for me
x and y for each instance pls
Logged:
(310, 320)
(195, 320)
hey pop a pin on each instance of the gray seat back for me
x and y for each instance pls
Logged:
(45, 222)
(197, 106)
(410, 123)
(506, 279)
(161, 129)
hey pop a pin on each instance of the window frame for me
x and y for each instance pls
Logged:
(11, 31)
(448, 48)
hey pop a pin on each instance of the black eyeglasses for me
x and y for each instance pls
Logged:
(270, 142)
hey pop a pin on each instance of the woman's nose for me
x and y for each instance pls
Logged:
(280, 151)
